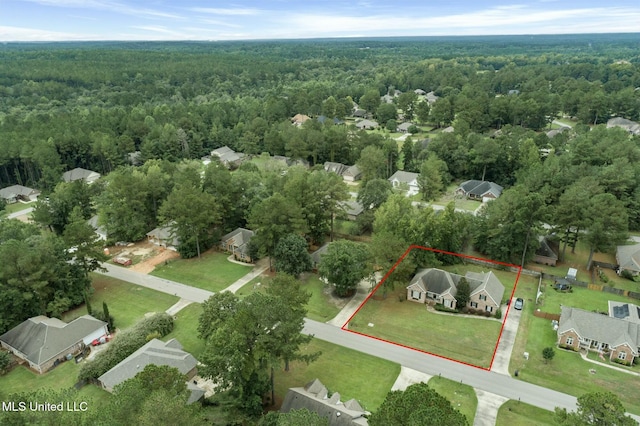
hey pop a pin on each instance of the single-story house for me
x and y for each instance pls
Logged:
(14, 193)
(237, 243)
(163, 236)
(407, 181)
(479, 189)
(353, 209)
(89, 176)
(628, 258)
(352, 174)
(228, 157)
(432, 98)
(323, 119)
(404, 127)
(299, 119)
(513, 92)
(154, 352)
(359, 113)
(546, 253)
(45, 342)
(419, 92)
(315, 397)
(337, 168)
(316, 256)
(617, 338)
(630, 126)
(367, 124)
(435, 286)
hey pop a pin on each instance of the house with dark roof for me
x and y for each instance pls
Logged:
(337, 168)
(547, 253)
(406, 181)
(435, 286)
(432, 97)
(89, 176)
(315, 397)
(352, 209)
(237, 243)
(479, 189)
(316, 256)
(154, 352)
(612, 336)
(630, 126)
(45, 342)
(359, 113)
(228, 157)
(324, 119)
(15, 193)
(352, 174)
(628, 258)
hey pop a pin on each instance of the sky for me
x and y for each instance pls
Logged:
(58, 20)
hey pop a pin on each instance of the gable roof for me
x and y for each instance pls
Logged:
(353, 171)
(628, 257)
(545, 249)
(404, 126)
(366, 123)
(227, 155)
(299, 118)
(624, 311)
(13, 191)
(154, 352)
(480, 188)
(630, 126)
(240, 238)
(79, 173)
(434, 280)
(352, 208)
(315, 397)
(405, 177)
(316, 256)
(41, 338)
(487, 282)
(337, 168)
(602, 328)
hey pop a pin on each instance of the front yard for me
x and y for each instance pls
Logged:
(211, 272)
(462, 397)
(516, 413)
(411, 324)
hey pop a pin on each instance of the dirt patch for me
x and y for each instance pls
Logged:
(154, 258)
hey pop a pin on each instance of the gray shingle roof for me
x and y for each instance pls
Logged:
(479, 188)
(11, 192)
(402, 176)
(155, 352)
(316, 256)
(436, 281)
(487, 281)
(41, 339)
(79, 173)
(352, 208)
(239, 238)
(337, 168)
(628, 257)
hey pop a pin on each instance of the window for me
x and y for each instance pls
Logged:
(488, 308)
(622, 355)
(482, 297)
(474, 304)
(415, 295)
(569, 340)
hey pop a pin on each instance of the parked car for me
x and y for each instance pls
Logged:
(121, 260)
(519, 304)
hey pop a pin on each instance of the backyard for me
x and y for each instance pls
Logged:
(211, 272)
(460, 201)
(185, 329)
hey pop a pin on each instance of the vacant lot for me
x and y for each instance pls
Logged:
(211, 272)
(128, 303)
(463, 338)
(353, 374)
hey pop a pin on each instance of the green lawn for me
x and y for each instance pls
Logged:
(411, 324)
(462, 397)
(186, 329)
(516, 413)
(579, 297)
(211, 272)
(16, 207)
(127, 302)
(353, 374)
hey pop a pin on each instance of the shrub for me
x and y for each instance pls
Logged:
(626, 274)
(602, 276)
(442, 308)
(464, 310)
(498, 314)
(125, 344)
(622, 362)
(5, 360)
(486, 314)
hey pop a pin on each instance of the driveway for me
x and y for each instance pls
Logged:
(502, 356)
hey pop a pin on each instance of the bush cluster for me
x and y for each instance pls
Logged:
(126, 343)
(622, 362)
(442, 308)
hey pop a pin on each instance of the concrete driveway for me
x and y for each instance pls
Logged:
(505, 345)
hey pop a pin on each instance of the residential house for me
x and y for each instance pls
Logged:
(45, 342)
(299, 119)
(628, 258)
(630, 126)
(228, 157)
(315, 397)
(547, 253)
(387, 99)
(367, 125)
(15, 193)
(420, 92)
(337, 168)
(404, 127)
(352, 174)
(449, 129)
(237, 243)
(435, 286)
(163, 236)
(513, 92)
(316, 256)
(359, 113)
(323, 119)
(612, 336)
(555, 132)
(101, 231)
(479, 190)
(89, 176)
(406, 181)
(432, 98)
(352, 209)
(154, 352)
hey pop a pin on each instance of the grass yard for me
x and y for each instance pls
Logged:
(16, 207)
(353, 374)
(186, 329)
(211, 272)
(516, 413)
(462, 397)
(579, 297)
(411, 324)
(127, 302)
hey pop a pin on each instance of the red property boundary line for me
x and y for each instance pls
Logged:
(413, 247)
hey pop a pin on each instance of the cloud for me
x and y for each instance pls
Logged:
(226, 11)
(219, 22)
(111, 6)
(8, 33)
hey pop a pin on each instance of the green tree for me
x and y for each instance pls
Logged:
(107, 317)
(548, 354)
(596, 408)
(416, 405)
(422, 111)
(83, 243)
(373, 164)
(463, 295)
(407, 103)
(370, 101)
(432, 178)
(374, 193)
(5, 360)
(344, 265)
(407, 154)
(301, 417)
(290, 255)
(386, 112)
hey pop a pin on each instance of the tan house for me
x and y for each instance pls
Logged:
(299, 119)
(15, 193)
(628, 258)
(89, 176)
(435, 286)
(613, 336)
(237, 243)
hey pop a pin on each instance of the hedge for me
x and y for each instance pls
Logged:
(126, 343)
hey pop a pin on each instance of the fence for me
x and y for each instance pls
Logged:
(546, 315)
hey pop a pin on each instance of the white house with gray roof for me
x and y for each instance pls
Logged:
(237, 243)
(628, 258)
(630, 126)
(14, 193)
(45, 342)
(406, 181)
(89, 176)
